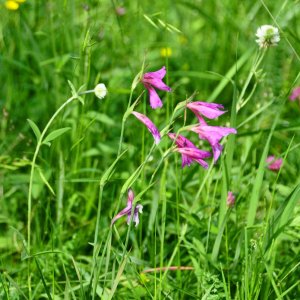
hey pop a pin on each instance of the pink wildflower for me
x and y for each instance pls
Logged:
(151, 127)
(295, 94)
(153, 80)
(127, 210)
(230, 199)
(208, 110)
(189, 152)
(273, 163)
(213, 134)
(120, 11)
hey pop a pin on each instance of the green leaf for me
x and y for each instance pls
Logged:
(81, 100)
(150, 21)
(44, 179)
(108, 173)
(136, 80)
(73, 90)
(55, 134)
(255, 194)
(217, 243)
(35, 129)
(282, 217)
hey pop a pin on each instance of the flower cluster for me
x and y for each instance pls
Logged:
(212, 134)
(267, 35)
(189, 152)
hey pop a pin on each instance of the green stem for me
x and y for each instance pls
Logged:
(123, 124)
(33, 163)
(94, 265)
(256, 64)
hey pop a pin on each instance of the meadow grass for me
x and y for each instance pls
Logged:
(67, 158)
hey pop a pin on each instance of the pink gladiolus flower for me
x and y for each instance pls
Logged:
(153, 80)
(151, 127)
(127, 210)
(213, 134)
(189, 152)
(295, 94)
(273, 163)
(208, 110)
(230, 199)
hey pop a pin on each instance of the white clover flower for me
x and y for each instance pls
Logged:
(100, 90)
(267, 35)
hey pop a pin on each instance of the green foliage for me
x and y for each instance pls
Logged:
(189, 243)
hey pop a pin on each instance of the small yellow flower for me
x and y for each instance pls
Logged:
(166, 52)
(11, 5)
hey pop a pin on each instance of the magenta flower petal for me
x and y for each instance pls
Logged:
(181, 141)
(189, 152)
(123, 212)
(273, 163)
(155, 101)
(213, 134)
(130, 197)
(208, 110)
(295, 94)
(217, 150)
(160, 74)
(153, 80)
(127, 210)
(151, 127)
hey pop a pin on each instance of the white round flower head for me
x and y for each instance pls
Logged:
(100, 90)
(267, 35)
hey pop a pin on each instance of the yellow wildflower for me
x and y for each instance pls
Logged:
(166, 52)
(11, 5)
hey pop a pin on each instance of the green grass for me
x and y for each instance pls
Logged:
(64, 174)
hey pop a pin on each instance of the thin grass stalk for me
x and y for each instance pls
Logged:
(163, 223)
(33, 163)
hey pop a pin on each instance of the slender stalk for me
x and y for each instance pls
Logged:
(96, 240)
(123, 124)
(256, 64)
(33, 163)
